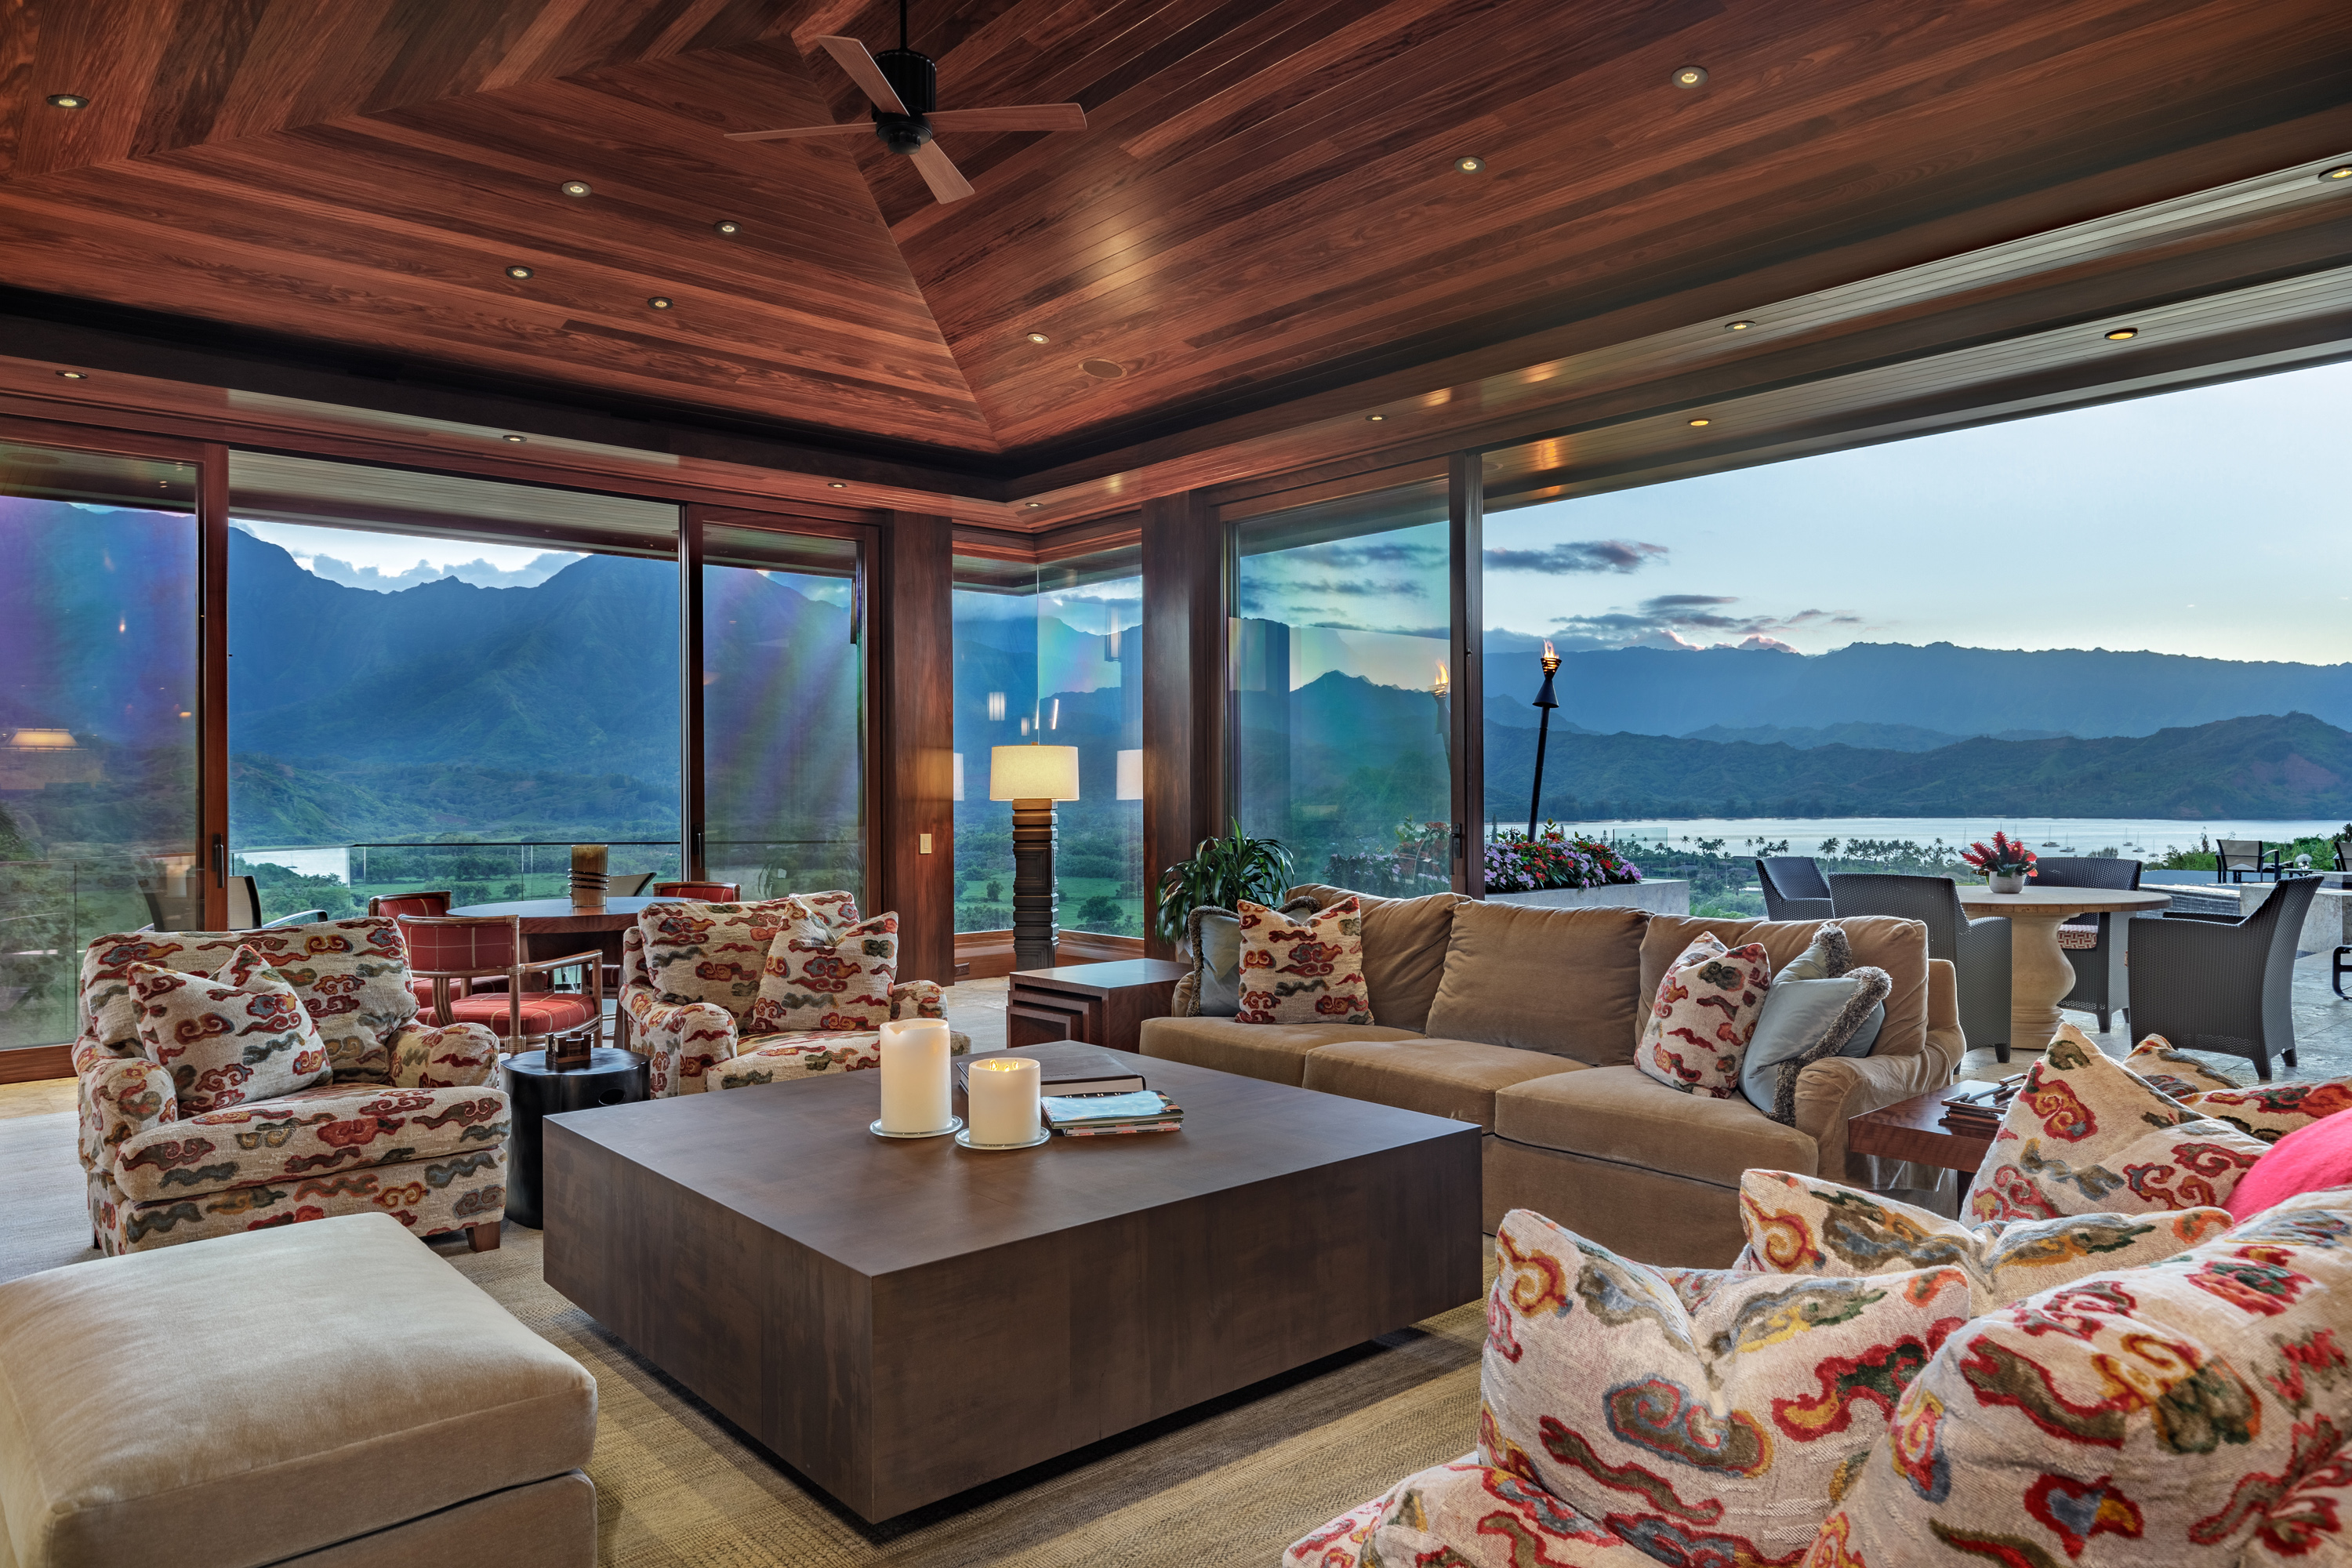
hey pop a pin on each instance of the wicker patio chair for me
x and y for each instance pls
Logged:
(2208, 982)
(1977, 950)
(1793, 889)
(2235, 859)
(2097, 945)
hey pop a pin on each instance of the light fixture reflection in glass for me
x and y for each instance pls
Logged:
(996, 708)
(1130, 775)
(959, 775)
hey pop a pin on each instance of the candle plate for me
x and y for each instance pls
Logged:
(964, 1138)
(955, 1125)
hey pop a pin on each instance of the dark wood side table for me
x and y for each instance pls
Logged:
(535, 1090)
(1913, 1129)
(1101, 1004)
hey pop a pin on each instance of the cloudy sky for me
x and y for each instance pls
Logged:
(2216, 522)
(388, 562)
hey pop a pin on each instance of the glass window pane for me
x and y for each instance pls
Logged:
(995, 629)
(1341, 693)
(99, 827)
(432, 685)
(783, 713)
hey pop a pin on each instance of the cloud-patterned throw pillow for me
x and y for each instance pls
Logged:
(230, 1038)
(2194, 1412)
(1802, 1225)
(1307, 970)
(1716, 1434)
(2267, 1110)
(1704, 1016)
(820, 977)
(717, 953)
(2087, 1135)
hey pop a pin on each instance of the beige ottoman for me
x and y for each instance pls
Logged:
(331, 1393)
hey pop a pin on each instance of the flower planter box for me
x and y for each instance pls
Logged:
(1663, 896)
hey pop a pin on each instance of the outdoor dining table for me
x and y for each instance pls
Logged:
(2038, 974)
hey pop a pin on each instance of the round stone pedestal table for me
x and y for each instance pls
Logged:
(2039, 974)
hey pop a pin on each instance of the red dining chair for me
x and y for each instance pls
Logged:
(705, 893)
(434, 903)
(450, 951)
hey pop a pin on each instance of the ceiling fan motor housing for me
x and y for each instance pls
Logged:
(915, 77)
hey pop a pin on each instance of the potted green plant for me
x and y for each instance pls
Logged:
(2006, 862)
(1221, 872)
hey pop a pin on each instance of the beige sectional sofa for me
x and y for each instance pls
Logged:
(1524, 1021)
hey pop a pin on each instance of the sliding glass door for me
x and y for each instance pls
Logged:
(99, 751)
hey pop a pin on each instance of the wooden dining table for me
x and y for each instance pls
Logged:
(551, 927)
(2038, 974)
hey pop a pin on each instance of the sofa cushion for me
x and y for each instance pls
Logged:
(1897, 946)
(238, 1036)
(2191, 1413)
(2087, 1135)
(1439, 1077)
(1618, 1113)
(1710, 1436)
(1275, 1052)
(822, 976)
(1803, 1225)
(1404, 949)
(310, 1134)
(1564, 980)
(1304, 970)
(252, 1397)
(1703, 1016)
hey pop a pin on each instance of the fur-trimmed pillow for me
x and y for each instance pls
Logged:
(1821, 1004)
(1307, 970)
(820, 977)
(2087, 1135)
(1704, 1016)
(229, 1038)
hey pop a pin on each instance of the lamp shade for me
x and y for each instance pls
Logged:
(1130, 772)
(1033, 773)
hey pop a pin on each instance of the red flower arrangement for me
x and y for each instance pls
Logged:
(2006, 857)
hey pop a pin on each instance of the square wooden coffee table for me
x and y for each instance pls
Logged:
(899, 1321)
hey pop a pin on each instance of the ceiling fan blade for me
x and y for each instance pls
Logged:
(865, 125)
(853, 57)
(939, 173)
(1011, 117)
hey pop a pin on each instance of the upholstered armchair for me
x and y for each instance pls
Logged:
(705, 1038)
(411, 1123)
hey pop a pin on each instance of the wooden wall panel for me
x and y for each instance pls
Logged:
(914, 680)
(1185, 618)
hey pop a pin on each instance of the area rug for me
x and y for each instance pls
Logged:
(1230, 1482)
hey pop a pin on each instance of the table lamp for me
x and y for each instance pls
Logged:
(1033, 777)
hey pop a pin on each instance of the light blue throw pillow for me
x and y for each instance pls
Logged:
(1819, 1005)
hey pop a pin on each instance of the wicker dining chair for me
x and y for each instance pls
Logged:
(447, 951)
(2235, 859)
(1977, 950)
(2209, 983)
(1793, 888)
(2098, 945)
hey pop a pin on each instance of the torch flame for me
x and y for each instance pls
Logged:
(1443, 680)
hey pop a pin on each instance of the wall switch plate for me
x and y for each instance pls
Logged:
(922, 843)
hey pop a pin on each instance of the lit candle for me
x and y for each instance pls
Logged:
(1002, 1092)
(916, 1082)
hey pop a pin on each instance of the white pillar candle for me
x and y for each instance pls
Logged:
(917, 1084)
(1002, 1097)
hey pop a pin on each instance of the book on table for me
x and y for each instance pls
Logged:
(1104, 1115)
(1072, 1072)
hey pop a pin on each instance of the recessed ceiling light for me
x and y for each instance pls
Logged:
(1107, 369)
(1739, 326)
(1469, 166)
(2341, 171)
(576, 188)
(2122, 334)
(835, 485)
(1700, 424)
(73, 375)
(517, 439)
(518, 272)
(659, 301)
(1690, 76)
(69, 100)
(1374, 418)
(1035, 505)
(727, 225)
(1037, 337)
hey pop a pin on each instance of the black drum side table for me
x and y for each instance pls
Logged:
(536, 1090)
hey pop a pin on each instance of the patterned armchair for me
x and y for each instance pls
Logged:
(688, 1009)
(411, 1123)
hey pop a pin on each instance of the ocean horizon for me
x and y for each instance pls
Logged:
(2141, 838)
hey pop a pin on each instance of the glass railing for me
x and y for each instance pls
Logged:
(49, 911)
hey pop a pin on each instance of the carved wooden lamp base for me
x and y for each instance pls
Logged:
(1035, 902)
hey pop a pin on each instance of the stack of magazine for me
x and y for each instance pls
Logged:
(1108, 1115)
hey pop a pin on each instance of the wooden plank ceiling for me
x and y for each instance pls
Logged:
(1263, 221)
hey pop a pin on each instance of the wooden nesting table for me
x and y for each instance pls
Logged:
(902, 1320)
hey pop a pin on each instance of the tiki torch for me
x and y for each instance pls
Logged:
(1545, 703)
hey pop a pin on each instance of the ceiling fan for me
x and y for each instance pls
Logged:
(904, 86)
